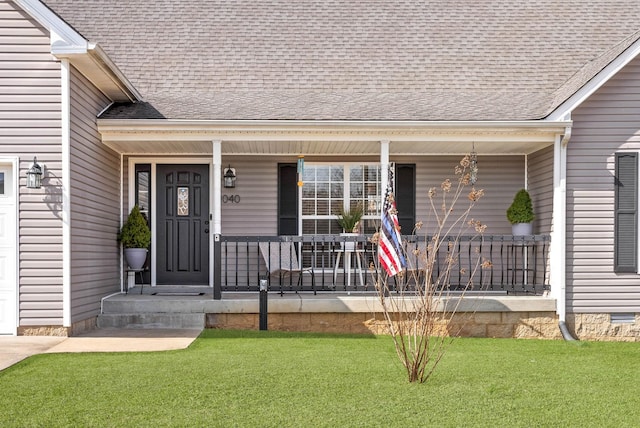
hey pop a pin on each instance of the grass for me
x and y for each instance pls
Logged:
(269, 379)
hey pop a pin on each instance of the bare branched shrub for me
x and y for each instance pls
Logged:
(419, 304)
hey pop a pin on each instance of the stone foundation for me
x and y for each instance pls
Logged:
(599, 327)
(43, 331)
(523, 325)
(76, 329)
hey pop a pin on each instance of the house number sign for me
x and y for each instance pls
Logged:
(233, 199)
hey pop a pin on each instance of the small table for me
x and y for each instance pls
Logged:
(134, 271)
(348, 253)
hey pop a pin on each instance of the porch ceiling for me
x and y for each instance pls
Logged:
(327, 138)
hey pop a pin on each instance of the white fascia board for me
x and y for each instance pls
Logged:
(88, 58)
(566, 108)
(64, 39)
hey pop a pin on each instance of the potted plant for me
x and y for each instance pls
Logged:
(349, 220)
(135, 237)
(520, 214)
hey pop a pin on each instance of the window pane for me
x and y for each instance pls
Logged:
(309, 189)
(323, 190)
(322, 207)
(370, 226)
(1, 183)
(143, 189)
(371, 172)
(322, 173)
(308, 227)
(308, 207)
(183, 201)
(336, 206)
(322, 227)
(356, 173)
(373, 205)
(356, 191)
(337, 173)
(309, 174)
(337, 190)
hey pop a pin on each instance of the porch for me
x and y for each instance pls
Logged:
(310, 288)
(345, 166)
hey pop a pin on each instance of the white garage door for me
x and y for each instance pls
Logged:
(8, 250)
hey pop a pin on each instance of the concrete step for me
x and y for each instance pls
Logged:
(152, 320)
(148, 304)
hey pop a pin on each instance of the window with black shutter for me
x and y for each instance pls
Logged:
(406, 197)
(287, 199)
(626, 213)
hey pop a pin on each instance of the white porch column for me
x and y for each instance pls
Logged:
(216, 188)
(384, 167)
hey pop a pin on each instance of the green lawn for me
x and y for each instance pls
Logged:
(230, 378)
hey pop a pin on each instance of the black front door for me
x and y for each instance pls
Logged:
(183, 225)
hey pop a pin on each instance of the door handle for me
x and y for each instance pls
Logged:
(206, 231)
(206, 222)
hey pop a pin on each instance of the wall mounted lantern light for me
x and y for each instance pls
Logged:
(229, 177)
(34, 175)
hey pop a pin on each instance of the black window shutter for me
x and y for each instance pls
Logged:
(287, 199)
(406, 197)
(626, 213)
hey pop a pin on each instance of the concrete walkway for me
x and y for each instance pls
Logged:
(16, 348)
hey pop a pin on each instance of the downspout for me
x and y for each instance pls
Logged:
(122, 277)
(560, 231)
(65, 87)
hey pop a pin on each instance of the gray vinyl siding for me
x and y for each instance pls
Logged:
(30, 115)
(607, 123)
(500, 177)
(540, 177)
(95, 202)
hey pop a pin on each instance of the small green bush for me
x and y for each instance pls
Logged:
(135, 232)
(521, 209)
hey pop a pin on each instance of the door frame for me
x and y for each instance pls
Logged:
(13, 163)
(154, 161)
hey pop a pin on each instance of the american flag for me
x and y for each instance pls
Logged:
(390, 252)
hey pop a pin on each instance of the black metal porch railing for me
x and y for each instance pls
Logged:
(333, 263)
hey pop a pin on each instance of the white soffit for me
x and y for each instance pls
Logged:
(326, 138)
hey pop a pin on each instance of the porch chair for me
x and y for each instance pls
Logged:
(281, 258)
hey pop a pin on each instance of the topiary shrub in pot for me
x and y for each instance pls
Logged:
(135, 237)
(520, 214)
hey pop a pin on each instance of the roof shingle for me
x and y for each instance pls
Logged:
(357, 59)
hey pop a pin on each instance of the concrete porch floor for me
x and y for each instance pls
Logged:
(199, 299)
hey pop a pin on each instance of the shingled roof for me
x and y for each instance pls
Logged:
(354, 59)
